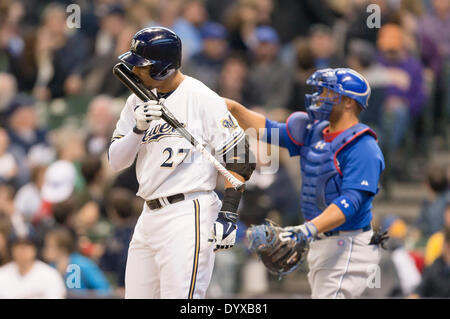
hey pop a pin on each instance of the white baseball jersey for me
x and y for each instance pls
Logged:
(40, 282)
(167, 163)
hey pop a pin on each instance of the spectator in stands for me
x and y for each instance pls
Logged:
(8, 165)
(7, 193)
(100, 124)
(405, 98)
(11, 23)
(122, 213)
(270, 80)
(93, 230)
(436, 241)
(58, 186)
(8, 209)
(70, 147)
(292, 18)
(435, 282)
(5, 232)
(323, 47)
(8, 90)
(28, 199)
(233, 79)
(304, 68)
(241, 21)
(28, 141)
(188, 25)
(357, 27)
(431, 215)
(61, 214)
(435, 52)
(93, 173)
(217, 9)
(207, 64)
(26, 277)
(83, 278)
(410, 16)
(436, 24)
(407, 271)
(112, 23)
(51, 60)
(111, 40)
(361, 58)
(23, 129)
(144, 13)
(91, 223)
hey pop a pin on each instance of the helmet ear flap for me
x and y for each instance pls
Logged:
(162, 74)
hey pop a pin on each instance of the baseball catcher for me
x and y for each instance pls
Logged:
(340, 164)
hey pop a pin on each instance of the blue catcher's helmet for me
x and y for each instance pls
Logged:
(343, 81)
(155, 46)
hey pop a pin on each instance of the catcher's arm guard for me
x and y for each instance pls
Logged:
(280, 256)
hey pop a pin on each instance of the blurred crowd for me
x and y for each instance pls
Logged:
(66, 219)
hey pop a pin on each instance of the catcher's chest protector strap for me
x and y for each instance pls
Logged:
(321, 174)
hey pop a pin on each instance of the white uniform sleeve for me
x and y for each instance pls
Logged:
(126, 121)
(125, 143)
(223, 131)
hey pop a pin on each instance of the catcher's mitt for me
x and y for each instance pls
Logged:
(281, 257)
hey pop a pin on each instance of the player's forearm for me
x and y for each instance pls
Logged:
(330, 218)
(239, 177)
(122, 152)
(245, 117)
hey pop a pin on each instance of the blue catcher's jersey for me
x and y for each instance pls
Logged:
(351, 161)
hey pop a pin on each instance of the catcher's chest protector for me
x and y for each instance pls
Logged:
(321, 174)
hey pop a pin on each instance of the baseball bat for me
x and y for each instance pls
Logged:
(124, 74)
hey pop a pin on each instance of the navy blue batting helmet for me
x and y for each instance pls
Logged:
(155, 46)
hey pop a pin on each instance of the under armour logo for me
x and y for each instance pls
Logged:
(320, 145)
(365, 183)
(344, 203)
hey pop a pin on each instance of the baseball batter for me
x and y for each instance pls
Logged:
(340, 165)
(171, 254)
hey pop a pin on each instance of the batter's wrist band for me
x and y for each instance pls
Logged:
(138, 131)
(231, 200)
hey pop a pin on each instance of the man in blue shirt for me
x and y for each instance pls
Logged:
(340, 164)
(82, 276)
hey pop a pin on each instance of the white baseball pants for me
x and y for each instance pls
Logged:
(169, 255)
